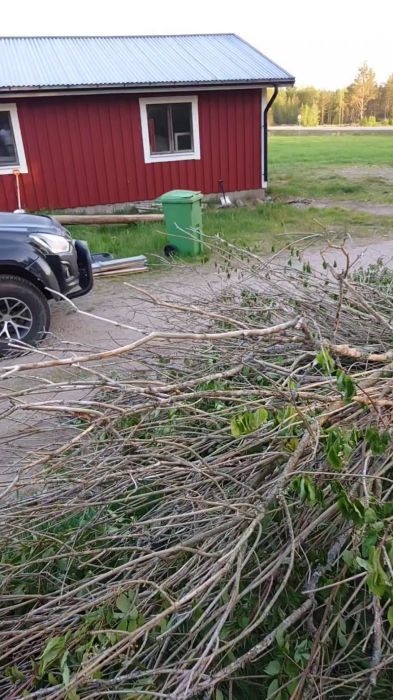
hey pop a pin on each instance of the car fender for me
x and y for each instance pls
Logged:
(44, 274)
(17, 256)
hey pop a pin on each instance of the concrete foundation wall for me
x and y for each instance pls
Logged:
(125, 207)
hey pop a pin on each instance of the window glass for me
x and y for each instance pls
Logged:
(170, 127)
(183, 142)
(8, 155)
(157, 117)
(182, 126)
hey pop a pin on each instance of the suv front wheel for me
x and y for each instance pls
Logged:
(24, 312)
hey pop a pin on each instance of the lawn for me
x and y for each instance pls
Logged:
(339, 166)
(300, 166)
(333, 150)
(259, 228)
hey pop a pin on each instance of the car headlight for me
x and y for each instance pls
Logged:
(51, 243)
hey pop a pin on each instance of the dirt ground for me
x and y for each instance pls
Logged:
(24, 433)
(384, 173)
(358, 172)
(364, 207)
(126, 314)
(113, 299)
(353, 174)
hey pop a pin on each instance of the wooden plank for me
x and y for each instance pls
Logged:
(106, 219)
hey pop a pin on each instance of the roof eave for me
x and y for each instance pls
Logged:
(135, 87)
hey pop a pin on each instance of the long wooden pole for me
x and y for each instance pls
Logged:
(106, 219)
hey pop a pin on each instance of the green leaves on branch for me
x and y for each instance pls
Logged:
(377, 441)
(124, 602)
(273, 668)
(285, 668)
(54, 649)
(100, 628)
(307, 490)
(248, 422)
(14, 673)
(345, 385)
(272, 693)
(129, 617)
(285, 417)
(351, 509)
(377, 580)
(325, 362)
(339, 446)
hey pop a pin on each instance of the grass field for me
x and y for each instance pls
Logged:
(329, 150)
(300, 166)
(340, 166)
(260, 228)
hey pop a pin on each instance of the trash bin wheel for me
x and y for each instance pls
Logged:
(170, 251)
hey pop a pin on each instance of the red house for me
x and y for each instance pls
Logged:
(93, 121)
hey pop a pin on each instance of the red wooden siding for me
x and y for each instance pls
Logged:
(87, 150)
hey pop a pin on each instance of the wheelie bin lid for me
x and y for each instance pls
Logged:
(180, 196)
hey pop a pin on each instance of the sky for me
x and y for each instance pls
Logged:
(321, 43)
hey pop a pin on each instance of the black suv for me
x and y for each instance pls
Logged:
(38, 258)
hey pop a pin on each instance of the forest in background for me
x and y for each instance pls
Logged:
(363, 102)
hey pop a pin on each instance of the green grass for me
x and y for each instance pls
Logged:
(259, 228)
(329, 150)
(123, 241)
(310, 166)
(300, 166)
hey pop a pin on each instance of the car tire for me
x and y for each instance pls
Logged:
(24, 312)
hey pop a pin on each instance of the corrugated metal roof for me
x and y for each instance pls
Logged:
(44, 62)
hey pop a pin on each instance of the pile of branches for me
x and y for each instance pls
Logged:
(219, 524)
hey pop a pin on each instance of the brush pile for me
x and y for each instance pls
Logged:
(219, 525)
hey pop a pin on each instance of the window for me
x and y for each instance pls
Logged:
(170, 128)
(12, 155)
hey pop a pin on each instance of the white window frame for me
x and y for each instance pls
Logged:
(195, 154)
(21, 166)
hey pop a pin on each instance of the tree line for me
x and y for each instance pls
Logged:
(363, 102)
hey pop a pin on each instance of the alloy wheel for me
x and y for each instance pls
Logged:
(16, 319)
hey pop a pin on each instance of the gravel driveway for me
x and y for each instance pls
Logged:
(112, 299)
(26, 432)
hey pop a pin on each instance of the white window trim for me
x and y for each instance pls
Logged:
(21, 166)
(195, 154)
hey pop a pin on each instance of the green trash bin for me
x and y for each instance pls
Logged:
(183, 220)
